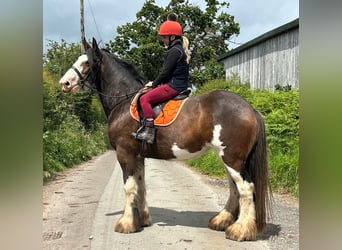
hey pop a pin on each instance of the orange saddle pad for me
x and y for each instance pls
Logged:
(166, 117)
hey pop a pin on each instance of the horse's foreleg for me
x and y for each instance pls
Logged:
(129, 222)
(227, 216)
(244, 228)
(144, 214)
(136, 213)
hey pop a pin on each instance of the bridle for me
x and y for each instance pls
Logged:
(82, 82)
(82, 79)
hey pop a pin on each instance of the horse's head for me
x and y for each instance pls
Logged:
(83, 69)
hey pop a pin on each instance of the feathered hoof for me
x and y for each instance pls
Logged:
(126, 226)
(241, 232)
(146, 220)
(221, 221)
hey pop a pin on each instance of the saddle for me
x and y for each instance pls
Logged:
(165, 113)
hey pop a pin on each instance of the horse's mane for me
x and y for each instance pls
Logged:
(127, 66)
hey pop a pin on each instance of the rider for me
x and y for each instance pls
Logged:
(173, 78)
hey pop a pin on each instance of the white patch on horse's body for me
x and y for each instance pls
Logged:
(184, 154)
(216, 140)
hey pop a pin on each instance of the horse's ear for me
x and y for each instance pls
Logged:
(86, 45)
(95, 46)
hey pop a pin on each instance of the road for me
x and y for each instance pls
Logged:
(81, 206)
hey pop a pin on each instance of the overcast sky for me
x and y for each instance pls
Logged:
(61, 18)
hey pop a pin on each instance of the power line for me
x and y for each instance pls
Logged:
(92, 13)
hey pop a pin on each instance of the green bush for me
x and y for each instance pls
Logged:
(74, 127)
(209, 164)
(70, 145)
(280, 109)
(60, 56)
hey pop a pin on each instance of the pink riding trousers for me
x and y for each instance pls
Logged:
(157, 95)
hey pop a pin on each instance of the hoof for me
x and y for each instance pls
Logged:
(128, 224)
(146, 220)
(240, 232)
(126, 227)
(221, 221)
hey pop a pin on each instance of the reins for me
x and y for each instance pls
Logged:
(82, 83)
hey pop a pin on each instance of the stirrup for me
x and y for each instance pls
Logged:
(140, 130)
(148, 135)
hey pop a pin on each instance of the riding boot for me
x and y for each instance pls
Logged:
(148, 132)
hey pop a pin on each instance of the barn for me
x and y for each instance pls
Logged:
(267, 60)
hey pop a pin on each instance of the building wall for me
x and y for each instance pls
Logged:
(273, 61)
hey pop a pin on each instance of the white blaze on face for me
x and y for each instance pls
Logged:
(70, 79)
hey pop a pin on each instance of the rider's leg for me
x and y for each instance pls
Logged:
(154, 96)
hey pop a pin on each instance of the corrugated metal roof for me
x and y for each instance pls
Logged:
(288, 26)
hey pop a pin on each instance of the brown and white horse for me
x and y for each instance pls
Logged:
(218, 120)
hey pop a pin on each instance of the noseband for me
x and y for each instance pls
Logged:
(82, 79)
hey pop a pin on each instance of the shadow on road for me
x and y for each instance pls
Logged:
(169, 217)
(270, 231)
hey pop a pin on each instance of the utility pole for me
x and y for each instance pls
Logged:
(82, 25)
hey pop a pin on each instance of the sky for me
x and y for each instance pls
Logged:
(61, 18)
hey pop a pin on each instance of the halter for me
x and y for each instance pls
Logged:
(82, 83)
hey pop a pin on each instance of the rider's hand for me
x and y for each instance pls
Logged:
(147, 87)
(149, 84)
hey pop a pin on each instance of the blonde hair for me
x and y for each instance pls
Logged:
(185, 43)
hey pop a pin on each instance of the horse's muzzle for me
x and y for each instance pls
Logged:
(68, 88)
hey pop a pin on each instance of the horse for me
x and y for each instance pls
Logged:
(219, 120)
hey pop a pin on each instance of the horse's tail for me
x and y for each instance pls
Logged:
(257, 167)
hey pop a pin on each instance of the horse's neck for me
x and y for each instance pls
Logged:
(117, 88)
(117, 84)
(111, 99)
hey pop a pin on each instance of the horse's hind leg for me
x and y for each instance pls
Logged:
(136, 213)
(244, 228)
(228, 215)
(238, 217)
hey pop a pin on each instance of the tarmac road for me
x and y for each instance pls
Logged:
(81, 206)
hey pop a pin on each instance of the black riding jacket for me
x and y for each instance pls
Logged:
(175, 70)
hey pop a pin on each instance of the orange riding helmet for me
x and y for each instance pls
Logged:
(170, 28)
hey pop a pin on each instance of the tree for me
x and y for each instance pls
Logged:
(60, 56)
(207, 30)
